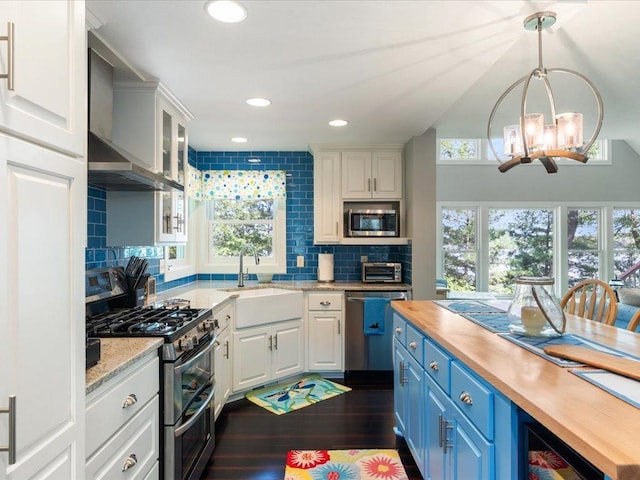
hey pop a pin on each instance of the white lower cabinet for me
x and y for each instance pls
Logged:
(123, 424)
(222, 320)
(267, 353)
(325, 340)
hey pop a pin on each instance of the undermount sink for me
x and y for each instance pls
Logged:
(267, 305)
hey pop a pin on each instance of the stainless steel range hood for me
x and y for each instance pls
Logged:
(111, 167)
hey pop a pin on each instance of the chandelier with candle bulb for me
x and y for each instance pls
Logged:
(563, 136)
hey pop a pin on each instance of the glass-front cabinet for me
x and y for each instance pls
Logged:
(172, 205)
(151, 124)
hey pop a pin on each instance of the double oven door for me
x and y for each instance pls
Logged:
(189, 421)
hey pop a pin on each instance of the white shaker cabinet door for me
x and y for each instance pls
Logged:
(48, 72)
(42, 354)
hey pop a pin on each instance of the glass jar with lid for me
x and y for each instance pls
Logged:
(534, 310)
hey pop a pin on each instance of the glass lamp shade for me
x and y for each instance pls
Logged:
(569, 130)
(534, 130)
(512, 140)
(550, 137)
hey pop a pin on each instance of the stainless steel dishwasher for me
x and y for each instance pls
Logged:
(363, 351)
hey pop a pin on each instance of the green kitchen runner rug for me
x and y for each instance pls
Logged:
(287, 397)
(344, 464)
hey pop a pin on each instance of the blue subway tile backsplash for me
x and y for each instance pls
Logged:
(299, 168)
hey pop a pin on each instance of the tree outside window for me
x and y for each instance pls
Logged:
(459, 248)
(626, 245)
(583, 245)
(235, 223)
(520, 244)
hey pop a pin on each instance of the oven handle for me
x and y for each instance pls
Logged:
(182, 428)
(186, 366)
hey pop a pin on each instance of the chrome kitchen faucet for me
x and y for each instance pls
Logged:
(244, 250)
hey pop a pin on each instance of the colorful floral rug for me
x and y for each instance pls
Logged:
(344, 465)
(285, 398)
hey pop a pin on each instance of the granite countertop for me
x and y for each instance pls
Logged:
(116, 355)
(209, 294)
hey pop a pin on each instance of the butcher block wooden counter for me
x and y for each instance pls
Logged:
(602, 428)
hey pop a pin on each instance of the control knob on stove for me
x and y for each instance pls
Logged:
(185, 344)
(209, 325)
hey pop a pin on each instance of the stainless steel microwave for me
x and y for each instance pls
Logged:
(372, 223)
(379, 272)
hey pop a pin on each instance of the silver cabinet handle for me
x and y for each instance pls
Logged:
(270, 342)
(466, 398)
(130, 400)
(375, 185)
(275, 341)
(130, 462)
(226, 352)
(10, 51)
(442, 434)
(325, 303)
(398, 330)
(339, 332)
(434, 366)
(11, 448)
(369, 185)
(413, 345)
(401, 371)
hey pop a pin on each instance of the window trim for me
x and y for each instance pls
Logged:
(486, 158)
(277, 265)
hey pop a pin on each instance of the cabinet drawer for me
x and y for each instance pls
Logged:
(437, 364)
(140, 438)
(473, 398)
(399, 329)
(223, 318)
(106, 412)
(415, 344)
(325, 301)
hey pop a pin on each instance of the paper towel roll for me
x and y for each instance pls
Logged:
(325, 267)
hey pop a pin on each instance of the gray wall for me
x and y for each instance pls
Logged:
(420, 192)
(606, 183)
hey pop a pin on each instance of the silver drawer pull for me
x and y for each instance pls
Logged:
(130, 400)
(398, 330)
(11, 448)
(434, 366)
(413, 345)
(325, 303)
(130, 462)
(466, 398)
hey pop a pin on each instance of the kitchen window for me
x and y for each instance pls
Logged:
(483, 247)
(234, 223)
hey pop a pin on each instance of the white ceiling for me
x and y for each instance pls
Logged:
(391, 68)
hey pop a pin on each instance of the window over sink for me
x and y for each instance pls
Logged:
(233, 223)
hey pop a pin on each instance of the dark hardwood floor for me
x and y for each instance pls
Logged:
(252, 443)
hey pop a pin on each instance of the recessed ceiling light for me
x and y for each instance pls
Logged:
(227, 11)
(254, 160)
(338, 123)
(259, 102)
(239, 140)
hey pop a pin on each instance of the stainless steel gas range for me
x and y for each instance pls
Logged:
(187, 365)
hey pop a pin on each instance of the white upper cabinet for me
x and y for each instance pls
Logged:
(372, 174)
(48, 68)
(150, 124)
(327, 208)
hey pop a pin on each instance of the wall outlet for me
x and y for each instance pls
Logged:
(364, 258)
(300, 261)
